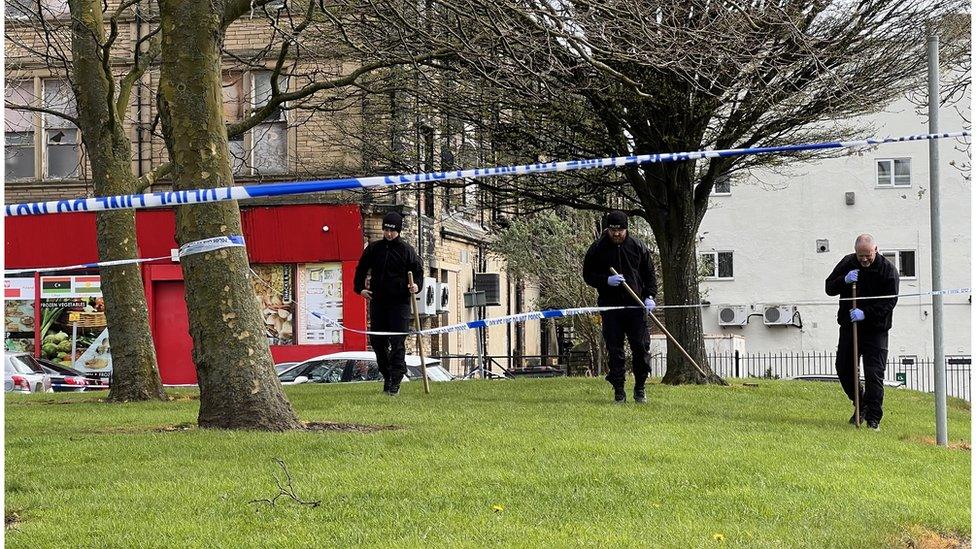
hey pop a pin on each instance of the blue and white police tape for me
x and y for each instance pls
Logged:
(200, 196)
(483, 323)
(82, 266)
(211, 244)
(559, 313)
(190, 248)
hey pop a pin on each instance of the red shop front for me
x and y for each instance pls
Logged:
(303, 259)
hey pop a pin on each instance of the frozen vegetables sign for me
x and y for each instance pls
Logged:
(72, 329)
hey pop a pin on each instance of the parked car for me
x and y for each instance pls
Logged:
(282, 366)
(352, 366)
(64, 378)
(23, 374)
(833, 378)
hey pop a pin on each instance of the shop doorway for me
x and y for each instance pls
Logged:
(174, 347)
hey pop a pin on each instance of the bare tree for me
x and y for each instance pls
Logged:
(86, 54)
(618, 78)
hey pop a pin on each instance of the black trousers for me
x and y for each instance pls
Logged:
(632, 324)
(390, 350)
(872, 346)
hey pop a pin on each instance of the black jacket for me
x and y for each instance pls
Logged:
(631, 259)
(388, 262)
(881, 278)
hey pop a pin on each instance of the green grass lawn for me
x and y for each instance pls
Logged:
(528, 463)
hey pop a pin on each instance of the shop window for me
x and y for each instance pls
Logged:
(318, 294)
(73, 328)
(895, 172)
(270, 138)
(61, 139)
(274, 289)
(716, 265)
(903, 260)
(18, 131)
(18, 314)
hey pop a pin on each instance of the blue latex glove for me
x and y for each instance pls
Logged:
(851, 276)
(857, 315)
(615, 280)
(649, 303)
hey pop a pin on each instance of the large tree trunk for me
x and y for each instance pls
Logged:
(680, 272)
(135, 375)
(238, 385)
(675, 229)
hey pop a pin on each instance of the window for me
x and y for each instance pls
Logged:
(903, 260)
(61, 150)
(426, 162)
(895, 172)
(233, 99)
(716, 265)
(723, 186)
(54, 8)
(18, 131)
(18, 9)
(270, 138)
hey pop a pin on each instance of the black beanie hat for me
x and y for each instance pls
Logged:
(616, 220)
(393, 221)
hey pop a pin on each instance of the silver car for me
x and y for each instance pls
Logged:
(351, 366)
(22, 374)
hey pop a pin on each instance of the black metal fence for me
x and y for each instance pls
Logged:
(912, 372)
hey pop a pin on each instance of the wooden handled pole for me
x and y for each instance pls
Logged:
(420, 339)
(663, 329)
(857, 365)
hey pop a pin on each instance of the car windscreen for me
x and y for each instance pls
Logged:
(24, 364)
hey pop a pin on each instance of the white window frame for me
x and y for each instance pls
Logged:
(30, 99)
(892, 178)
(51, 124)
(714, 254)
(722, 178)
(896, 261)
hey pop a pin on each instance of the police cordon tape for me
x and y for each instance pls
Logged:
(82, 266)
(190, 248)
(560, 313)
(201, 196)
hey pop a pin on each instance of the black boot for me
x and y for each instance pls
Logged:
(639, 396)
(619, 395)
(386, 385)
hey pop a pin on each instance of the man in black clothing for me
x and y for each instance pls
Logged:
(632, 261)
(388, 261)
(875, 276)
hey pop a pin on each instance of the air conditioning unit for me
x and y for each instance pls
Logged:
(779, 315)
(733, 315)
(490, 283)
(443, 297)
(427, 298)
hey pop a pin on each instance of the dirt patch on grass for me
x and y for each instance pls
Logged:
(919, 537)
(958, 445)
(346, 427)
(11, 518)
(180, 397)
(311, 426)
